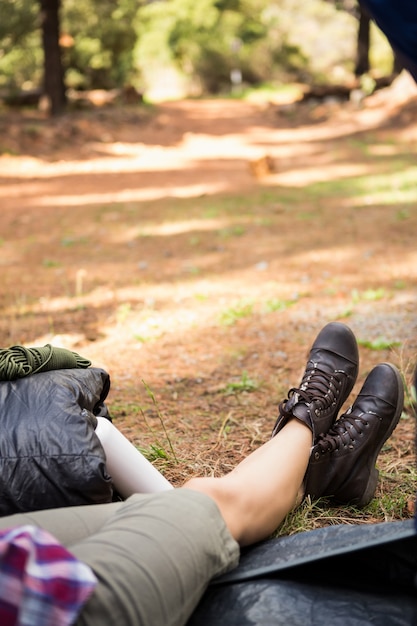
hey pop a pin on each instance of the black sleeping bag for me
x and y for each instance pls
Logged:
(50, 455)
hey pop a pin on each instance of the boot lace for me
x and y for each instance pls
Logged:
(343, 433)
(317, 386)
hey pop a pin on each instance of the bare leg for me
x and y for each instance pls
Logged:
(256, 496)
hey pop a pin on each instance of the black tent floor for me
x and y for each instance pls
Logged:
(344, 575)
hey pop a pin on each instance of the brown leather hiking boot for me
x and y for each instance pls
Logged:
(329, 377)
(342, 463)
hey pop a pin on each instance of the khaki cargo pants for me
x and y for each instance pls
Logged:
(153, 555)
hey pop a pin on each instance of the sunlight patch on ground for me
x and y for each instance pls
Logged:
(308, 175)
(330, 255)
(393, 196)
(142, 158)
(68, 341)
(167, 229)
(387, 197)
(135, 195)
(144, 327)
(388, 266)
(222, 158)
(133, 157)
(384, 149)
(396, 188)
(147, 312)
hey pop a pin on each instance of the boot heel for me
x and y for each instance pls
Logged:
(369, 492)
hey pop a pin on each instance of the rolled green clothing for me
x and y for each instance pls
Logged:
(18, 361)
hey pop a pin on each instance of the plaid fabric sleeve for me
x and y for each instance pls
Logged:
(40, 581)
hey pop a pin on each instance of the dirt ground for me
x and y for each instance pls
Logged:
(194, 250)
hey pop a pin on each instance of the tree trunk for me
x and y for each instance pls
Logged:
(397, 66)
(363, 42)
(54, 88)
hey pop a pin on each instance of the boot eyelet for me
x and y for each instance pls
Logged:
(317, 456)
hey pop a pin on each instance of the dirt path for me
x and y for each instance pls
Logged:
(197, 247)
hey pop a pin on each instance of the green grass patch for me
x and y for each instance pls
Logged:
(50, 263)
(123, 312)
(161, 421)
(369, 295)
(380, 343)
(276, 304)
(230, 316)
(306, 216)
(232, 231)
(402, 214)
(142, 338)
(154, 453)
(245, 384)
(194, 240)
(68, 242)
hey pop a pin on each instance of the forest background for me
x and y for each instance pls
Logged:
(180, 47)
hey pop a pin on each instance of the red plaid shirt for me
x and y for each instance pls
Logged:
(41, 583)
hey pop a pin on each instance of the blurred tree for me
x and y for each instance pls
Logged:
(363, 41)
(18, 17)
(362, 64)
(99, 39)
(210, 43)
(19, 45)
(53, 78)
(104, 38)
(206, 40)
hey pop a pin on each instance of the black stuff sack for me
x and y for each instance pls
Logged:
(50, 455)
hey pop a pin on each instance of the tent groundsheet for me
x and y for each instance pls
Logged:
(345, 575)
